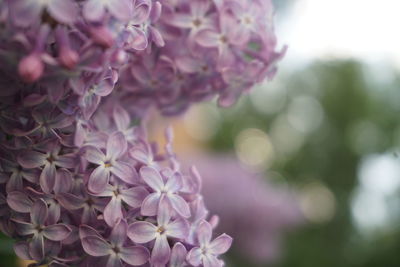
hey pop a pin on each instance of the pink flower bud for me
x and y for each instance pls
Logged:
(119, 57)
(68, 57)
(102, 36)
(31, 68)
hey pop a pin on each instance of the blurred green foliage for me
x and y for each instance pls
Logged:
(7, 257)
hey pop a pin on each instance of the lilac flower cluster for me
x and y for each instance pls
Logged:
(97, 195)
(212, 47)
(80, 185)
(166, 55)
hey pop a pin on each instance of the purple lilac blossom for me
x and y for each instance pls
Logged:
(47, 201)
(76, 82)
(48, 205)
(163, 54)
(230, 190)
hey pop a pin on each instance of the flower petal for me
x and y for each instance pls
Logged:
(164, 212)
(141, 12)
(98, 180)
(204, 232)
(156, 36)
(113, 212)
(31, 159)
(54, 212)
(179, 205)
(136, 255)
(24, 228)
(94, 155)
(70, 201)
(116, 145)
(140, 155)
(137, 39)
(194, 256)
(32, 175)
(104, 87)
(36, 247)
(48, 178)
(96, 246)
(174, 182)
(64, 11)
(15, 182)
(152, 177)
(63, 181)
(93, 10)
(178, 255)
(178, 228)
(21, 248)
(211, 261)
(142, 232)
(180, 20)
(121, 118)
(221, 244)
(89, 215)
(25, 12)
(85, 231)
(134, 196)
(114, 261)
(125, 172)
(199, 8)
(207, 38)
(67, 161)
(39, 212)
(187, 64)
(150, 204)
(161, 251)
(57, 232)
(121, 9)
(118, 234)
(19, 202)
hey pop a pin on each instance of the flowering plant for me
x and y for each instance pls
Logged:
(80, 185)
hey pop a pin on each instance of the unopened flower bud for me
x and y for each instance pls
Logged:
(68, 57)
(31, 68)
(102, 36)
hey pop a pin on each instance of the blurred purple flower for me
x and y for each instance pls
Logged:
(26, 12)
(257, 238)
(94, 10)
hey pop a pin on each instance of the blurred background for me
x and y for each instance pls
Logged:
(305, 170)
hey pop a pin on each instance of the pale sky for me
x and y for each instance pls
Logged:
(362, 29)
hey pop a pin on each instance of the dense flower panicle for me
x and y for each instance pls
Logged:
(166, 55)
(77, 173)
(111, 198)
